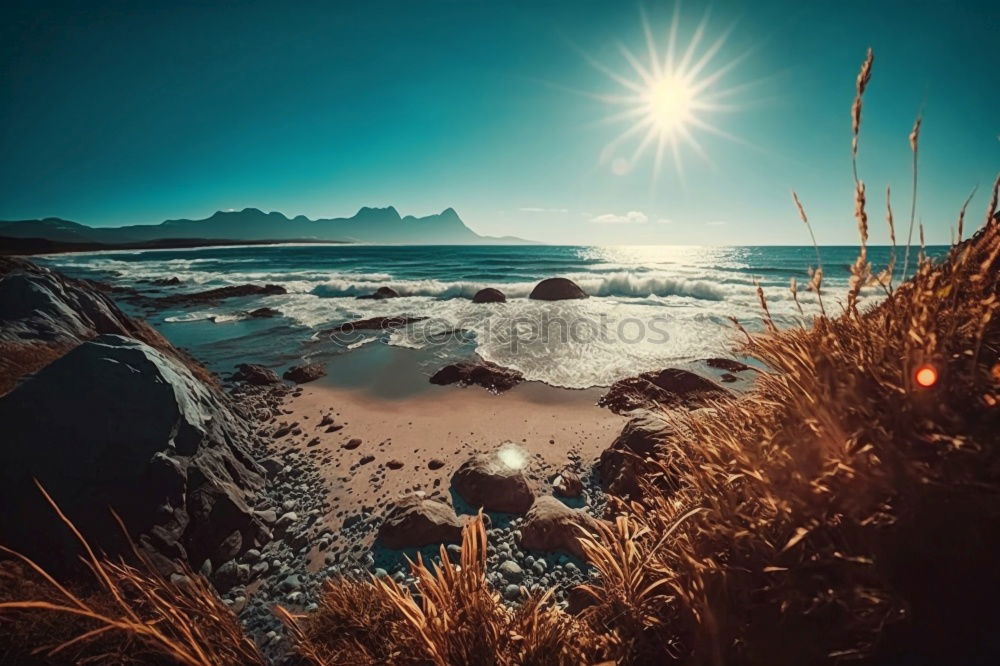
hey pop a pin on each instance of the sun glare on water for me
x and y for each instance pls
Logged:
(668, 97)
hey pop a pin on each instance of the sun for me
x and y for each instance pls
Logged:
(668, 98)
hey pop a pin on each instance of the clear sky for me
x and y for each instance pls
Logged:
(133, 112)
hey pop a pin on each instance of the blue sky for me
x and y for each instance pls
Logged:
(133, 112)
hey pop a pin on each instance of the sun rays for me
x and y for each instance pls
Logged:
(666, 97)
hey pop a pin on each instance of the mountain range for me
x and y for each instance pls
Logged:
(368, 225)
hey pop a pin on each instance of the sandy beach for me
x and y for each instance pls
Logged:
(371, 449)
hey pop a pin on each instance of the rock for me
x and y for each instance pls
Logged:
(556, 289)
(394, 464)
(256, 375)
(435, 464)
(489, 375)
(414, 521)
(512, 592)
(489, 295)
(351, 444)
(726, 364)
(382, 293)
(510, 570)
(166, 282)
(671, 387)
(44, 314)
(263, 313)
(287, 520)
(301, 374)
(567, 484)
(622, 463)
(213, 296)
(290, 583)
(550, 525)
(728, 378)
(366, 459)
(375, 324)
(136, 432)
(486, 481)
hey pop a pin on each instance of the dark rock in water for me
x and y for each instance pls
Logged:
(263, 313)
(567, 484)
(550, 525)
(667, 388)
(726, 364)
(486, 481)
(213, 296)
(257, 375)
(301, 374)
(623, 462)
(166, 282)
(414, 521)
(728, 378)
(44, 314)
(115, 423)
(556, 289)
(489, 295)
(484, 373)
(375, 323)
(382, 293)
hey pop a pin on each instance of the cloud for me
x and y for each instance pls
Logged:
(631, 217)
(531, 209)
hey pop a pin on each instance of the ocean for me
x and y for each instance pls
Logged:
(650, 307)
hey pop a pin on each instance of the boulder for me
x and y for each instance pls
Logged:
(487, 481)
(622, 463)
(116, 424)
(44, 314)
(550, 526)
(254, 374)
(381, 293)
(671, 387)
(300, 374)
(490, 376)
(489, 295)
(567, 484)
(414, 521)
(556, 289)
(166, 282)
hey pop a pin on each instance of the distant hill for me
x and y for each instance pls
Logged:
(368, 225)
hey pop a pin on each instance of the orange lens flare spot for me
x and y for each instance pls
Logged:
(926, 375)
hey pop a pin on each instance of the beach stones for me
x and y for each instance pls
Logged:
(556, 289)
(671, 387)
(221, 293)
(301, 374)
(257, 375)
(263, 313)
(567, 484)
(550, 525)
(489, 295)
(726, 364)
(489, 375)
(381, 293)
(490, 482)
(414, 521)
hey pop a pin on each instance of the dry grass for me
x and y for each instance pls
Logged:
(453, 618)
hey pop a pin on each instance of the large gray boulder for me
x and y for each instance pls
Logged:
(488, 481)
(116, 424)
(43, 314)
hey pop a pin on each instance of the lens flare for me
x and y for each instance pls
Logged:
(512, 456)
(926, 375)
